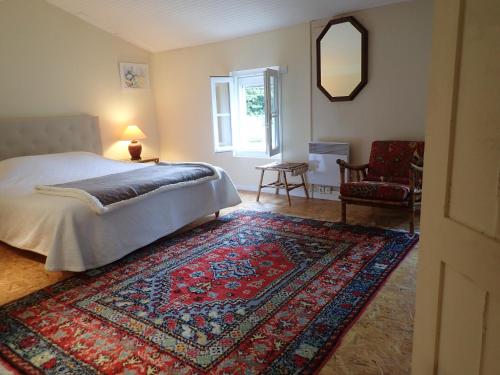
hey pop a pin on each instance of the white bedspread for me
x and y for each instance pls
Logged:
(75, 238)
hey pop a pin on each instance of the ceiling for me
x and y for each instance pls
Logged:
(159, 25)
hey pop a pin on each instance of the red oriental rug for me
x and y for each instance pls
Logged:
(250, 293)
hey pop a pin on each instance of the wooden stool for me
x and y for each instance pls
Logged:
(296, 169)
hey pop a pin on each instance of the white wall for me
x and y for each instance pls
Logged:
(391, 106)
(52, 63)
(182, 90)
(393, 103)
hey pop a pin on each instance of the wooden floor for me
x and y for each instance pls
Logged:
(379, 343)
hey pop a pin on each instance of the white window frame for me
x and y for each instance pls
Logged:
(238, 76)
(215, 114)
(232, 80)
(268, 75)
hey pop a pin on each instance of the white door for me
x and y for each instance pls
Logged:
(457, 326)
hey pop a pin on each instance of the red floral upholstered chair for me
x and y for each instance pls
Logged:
(392, 178)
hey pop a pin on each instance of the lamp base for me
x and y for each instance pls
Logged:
(135, 149)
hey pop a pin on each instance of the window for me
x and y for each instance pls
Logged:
(221, 110)
(246, 113)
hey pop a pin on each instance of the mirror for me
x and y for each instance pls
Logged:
(342, 59)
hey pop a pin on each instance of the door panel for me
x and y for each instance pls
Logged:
(476, 145)
(462, 306)
(491, 363)
(457, 321)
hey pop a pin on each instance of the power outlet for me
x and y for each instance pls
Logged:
(324, 189)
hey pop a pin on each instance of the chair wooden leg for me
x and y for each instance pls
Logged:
(286, 188)
(260, 184)
(344, 213)
(305, 186)
(412, 220)
(277, 191)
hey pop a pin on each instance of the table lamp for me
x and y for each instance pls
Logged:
(132, 133)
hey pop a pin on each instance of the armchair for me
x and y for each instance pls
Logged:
(391, 179)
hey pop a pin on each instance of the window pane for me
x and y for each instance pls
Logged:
(251, 127)
(222, 92)
(273, 89)
(224, 130)
(254, 98)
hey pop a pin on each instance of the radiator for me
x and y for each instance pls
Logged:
(323, 167)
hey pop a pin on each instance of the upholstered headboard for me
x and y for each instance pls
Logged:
(49, 135)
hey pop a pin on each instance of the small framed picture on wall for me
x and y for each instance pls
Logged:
(134, 76)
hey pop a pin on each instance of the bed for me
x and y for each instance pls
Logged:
(71, 236)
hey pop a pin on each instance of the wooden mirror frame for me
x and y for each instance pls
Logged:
(364, 58)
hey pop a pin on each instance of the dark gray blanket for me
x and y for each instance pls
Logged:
(115, 188)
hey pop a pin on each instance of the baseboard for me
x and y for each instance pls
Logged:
(334, 196)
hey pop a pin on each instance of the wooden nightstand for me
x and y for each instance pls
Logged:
(145, 160)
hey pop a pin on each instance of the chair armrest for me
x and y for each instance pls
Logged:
(360, 170)
(416, 173)
(416, 168)
(344, 164)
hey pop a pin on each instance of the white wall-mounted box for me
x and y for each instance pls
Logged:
(323, 167)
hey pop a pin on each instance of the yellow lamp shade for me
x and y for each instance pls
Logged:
(132, 132)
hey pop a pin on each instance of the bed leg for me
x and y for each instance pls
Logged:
(217, 213)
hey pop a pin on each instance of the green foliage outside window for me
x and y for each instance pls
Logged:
(255, 100)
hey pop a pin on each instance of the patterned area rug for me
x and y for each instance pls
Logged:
(250, 293)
